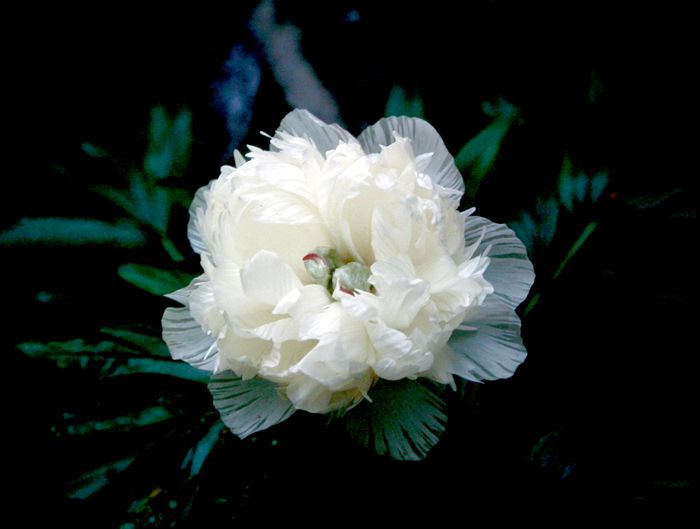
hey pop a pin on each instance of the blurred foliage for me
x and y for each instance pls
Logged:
(476, 158)
(400, 104)
(596, 418)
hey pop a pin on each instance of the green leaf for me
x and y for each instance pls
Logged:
(526, 230)
(169, 144)
(479, 154)
(97, 479)
(566, 184)
(548, 215)
(154, 280)
(598, 184)
(399, 104)
(76, 351)
(94, 151)
(149, 204)
(404, 419)
(61, 231)
(170, 368)
(107, 358)
(196, 457)
(146, 343)
(123, 423)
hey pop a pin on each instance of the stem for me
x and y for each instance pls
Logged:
(173, 252)
(585, 234)
(587, 231)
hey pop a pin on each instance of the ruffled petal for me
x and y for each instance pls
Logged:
(187, 341)
(425, 139)
(510, 271)
(397, 357)
(403, 420)
(197, 209)
(487, 346)
(248, 406)
(304, 124)
(266, 278)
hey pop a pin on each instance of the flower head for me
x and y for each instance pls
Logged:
(333, 265)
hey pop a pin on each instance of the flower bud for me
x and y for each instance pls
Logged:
(352, 277)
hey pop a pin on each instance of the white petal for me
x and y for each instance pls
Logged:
(494, 349)
(510, 271)
(274, 206)
(197, 209)
(248, 406)
(441, 167)
(187, 341)
(266, 278)
(242, 354)
(325, 137)
(309, 395)
(396, 356)
(343, 350)
(390, 236)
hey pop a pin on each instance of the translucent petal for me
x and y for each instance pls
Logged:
(199, 204)
(490, 346)
(441, 167)
(510, 271)
(187, 341)
(248, 406)
(303, 123)
(404, 419)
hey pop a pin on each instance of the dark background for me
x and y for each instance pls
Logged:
(599, 421)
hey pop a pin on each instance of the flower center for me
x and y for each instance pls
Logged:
(326, 268)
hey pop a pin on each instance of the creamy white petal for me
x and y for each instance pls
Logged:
(397, 357)
(509, 271)
(425, 139)
(266, 278)
(304, 124)
(494, 349)
(274, 206)
(248, 406)
(390, 236)
(343, 351)
(309, 395)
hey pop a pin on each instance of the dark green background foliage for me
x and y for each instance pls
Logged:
(567, 124)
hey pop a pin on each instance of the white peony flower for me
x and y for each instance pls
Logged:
(333, 265)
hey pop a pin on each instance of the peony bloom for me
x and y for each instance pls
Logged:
(334, 265)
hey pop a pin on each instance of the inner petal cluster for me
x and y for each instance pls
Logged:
(325, 271)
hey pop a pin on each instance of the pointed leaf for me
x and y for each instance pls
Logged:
(170, 141)
(399, 104)
(67, 231)
(148, 366)
(199, 454)
(154, 280)
(477, 157)
(97, 479)
(146, 343)
(122, 423)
